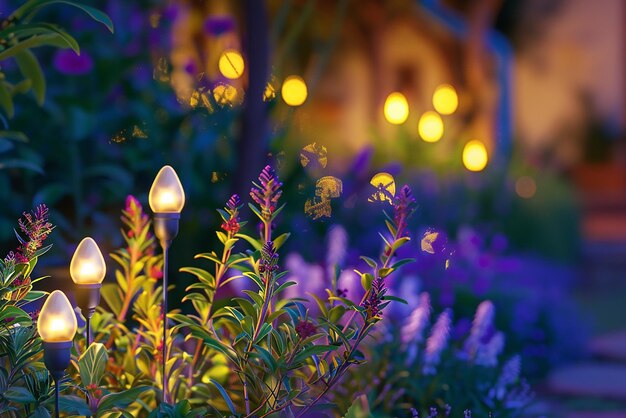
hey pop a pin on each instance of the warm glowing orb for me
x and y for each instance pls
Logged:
(294, 90)
(430, 127)
(475, 156)
(396, 108)
(445, 99)
(231, 64)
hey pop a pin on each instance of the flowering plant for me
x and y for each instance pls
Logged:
(259, 354)
(21, 379)
(282, 358)
(410, 374)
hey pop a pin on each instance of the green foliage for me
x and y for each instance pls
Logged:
(25, 387)
(19, 34)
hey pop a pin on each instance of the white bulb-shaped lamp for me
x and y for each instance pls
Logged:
(87, 270)
(167, 199)
(57, 326)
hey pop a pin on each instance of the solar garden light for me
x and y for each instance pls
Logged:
(166, 199)
(87, 270)
(57, 326)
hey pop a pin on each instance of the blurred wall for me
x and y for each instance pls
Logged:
(571, 73)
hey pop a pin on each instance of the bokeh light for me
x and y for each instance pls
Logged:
(231, 64)
(430, 127)
(525, 187)
(445, 99)
(396, 108)
(294, 90)
(475, 156)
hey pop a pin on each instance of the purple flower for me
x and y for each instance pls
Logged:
(483, 320)
(36, 228)
(487, 354)
(374, 301)
(413, 328)
(337, 246)
(267, 192)
(269, 260)
(508, 376)
(305, 329)
(403, 206)
(437, 342)
(219, 24)
(230, 216)
(66, 61)
(309, 278)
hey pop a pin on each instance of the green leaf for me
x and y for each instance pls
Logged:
(30, 68)
(6, 101)
(19, 163)
(399, 243)
(255, 243)
(52, 39)
(117, 401)
(394, 298)
(14, 136)
(384, 272)
(311, 351)
(366, 281)
(92, 364)
(402, 262)
(203, 275)
(74, 405)
(111, 295)
(34, 295)
(370, 262)
(359, 408)
(280, 240)
(31, 8)
(224, 394)
(14, 315)
(19, 394)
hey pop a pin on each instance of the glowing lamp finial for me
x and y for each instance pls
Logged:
(167, 194)
(87, 265)
(57, 321)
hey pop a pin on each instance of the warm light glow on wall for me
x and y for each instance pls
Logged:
(57, 321)
(294, 90)
(475, 156)
(166, 194)
(396, 108)
(525, 187)
(231, 64)
(445, 99)
(430, 127)
(87, 265)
